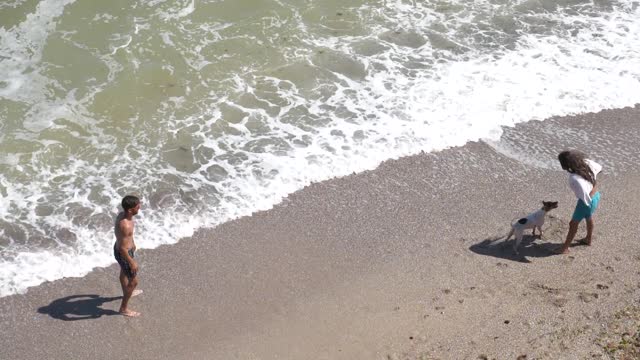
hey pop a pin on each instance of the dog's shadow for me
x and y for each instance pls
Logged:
(528, 248)
(79, 307)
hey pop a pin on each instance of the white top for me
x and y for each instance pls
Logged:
(581, 186)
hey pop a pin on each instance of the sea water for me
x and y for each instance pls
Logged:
(211, 110)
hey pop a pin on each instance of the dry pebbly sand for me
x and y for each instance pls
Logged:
(402, 262)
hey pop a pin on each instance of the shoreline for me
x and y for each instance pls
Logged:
(394, 262)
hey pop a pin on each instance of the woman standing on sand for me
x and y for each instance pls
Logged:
(582, 180)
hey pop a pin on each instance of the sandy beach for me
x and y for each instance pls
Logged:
(401, 262)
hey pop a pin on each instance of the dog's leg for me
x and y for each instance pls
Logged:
(519, 234)
(509, 235)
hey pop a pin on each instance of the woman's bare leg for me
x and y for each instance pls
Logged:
(573, 229)
(590, 225)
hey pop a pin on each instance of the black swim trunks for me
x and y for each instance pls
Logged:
(124, 265)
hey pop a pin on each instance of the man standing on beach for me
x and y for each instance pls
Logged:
(124, 250)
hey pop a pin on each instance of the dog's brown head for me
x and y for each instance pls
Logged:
(549, 205)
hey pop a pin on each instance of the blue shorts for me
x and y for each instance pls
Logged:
(583, 211)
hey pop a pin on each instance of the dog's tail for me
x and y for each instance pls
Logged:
(510, 233)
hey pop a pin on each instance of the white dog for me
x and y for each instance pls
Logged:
(532, 221)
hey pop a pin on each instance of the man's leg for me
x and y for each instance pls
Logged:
(573, 229)
(590, 225)
(128, 286)
(124, 282)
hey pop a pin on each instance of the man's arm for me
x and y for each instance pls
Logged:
(126, 243)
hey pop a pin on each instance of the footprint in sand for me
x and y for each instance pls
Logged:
(560, 302)
(545, 288)
(554, 230)
(588, 297)
(557, 297)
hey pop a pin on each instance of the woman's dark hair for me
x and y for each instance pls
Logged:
(129, 202)
(575, 162)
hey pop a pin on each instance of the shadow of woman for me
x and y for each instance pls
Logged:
(527, 248)
(78, 307)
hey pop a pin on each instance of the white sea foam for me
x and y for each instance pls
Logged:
(188, 8)
(367, 107)
(22, 47)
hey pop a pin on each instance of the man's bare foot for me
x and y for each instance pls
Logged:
(136, 293)
(562, 250)
(129, 313)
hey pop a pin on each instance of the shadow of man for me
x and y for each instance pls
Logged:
(504, 250)
(78, 307)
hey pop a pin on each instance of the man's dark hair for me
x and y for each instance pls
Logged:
(129, 202)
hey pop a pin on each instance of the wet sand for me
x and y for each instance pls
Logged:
(401, 262)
